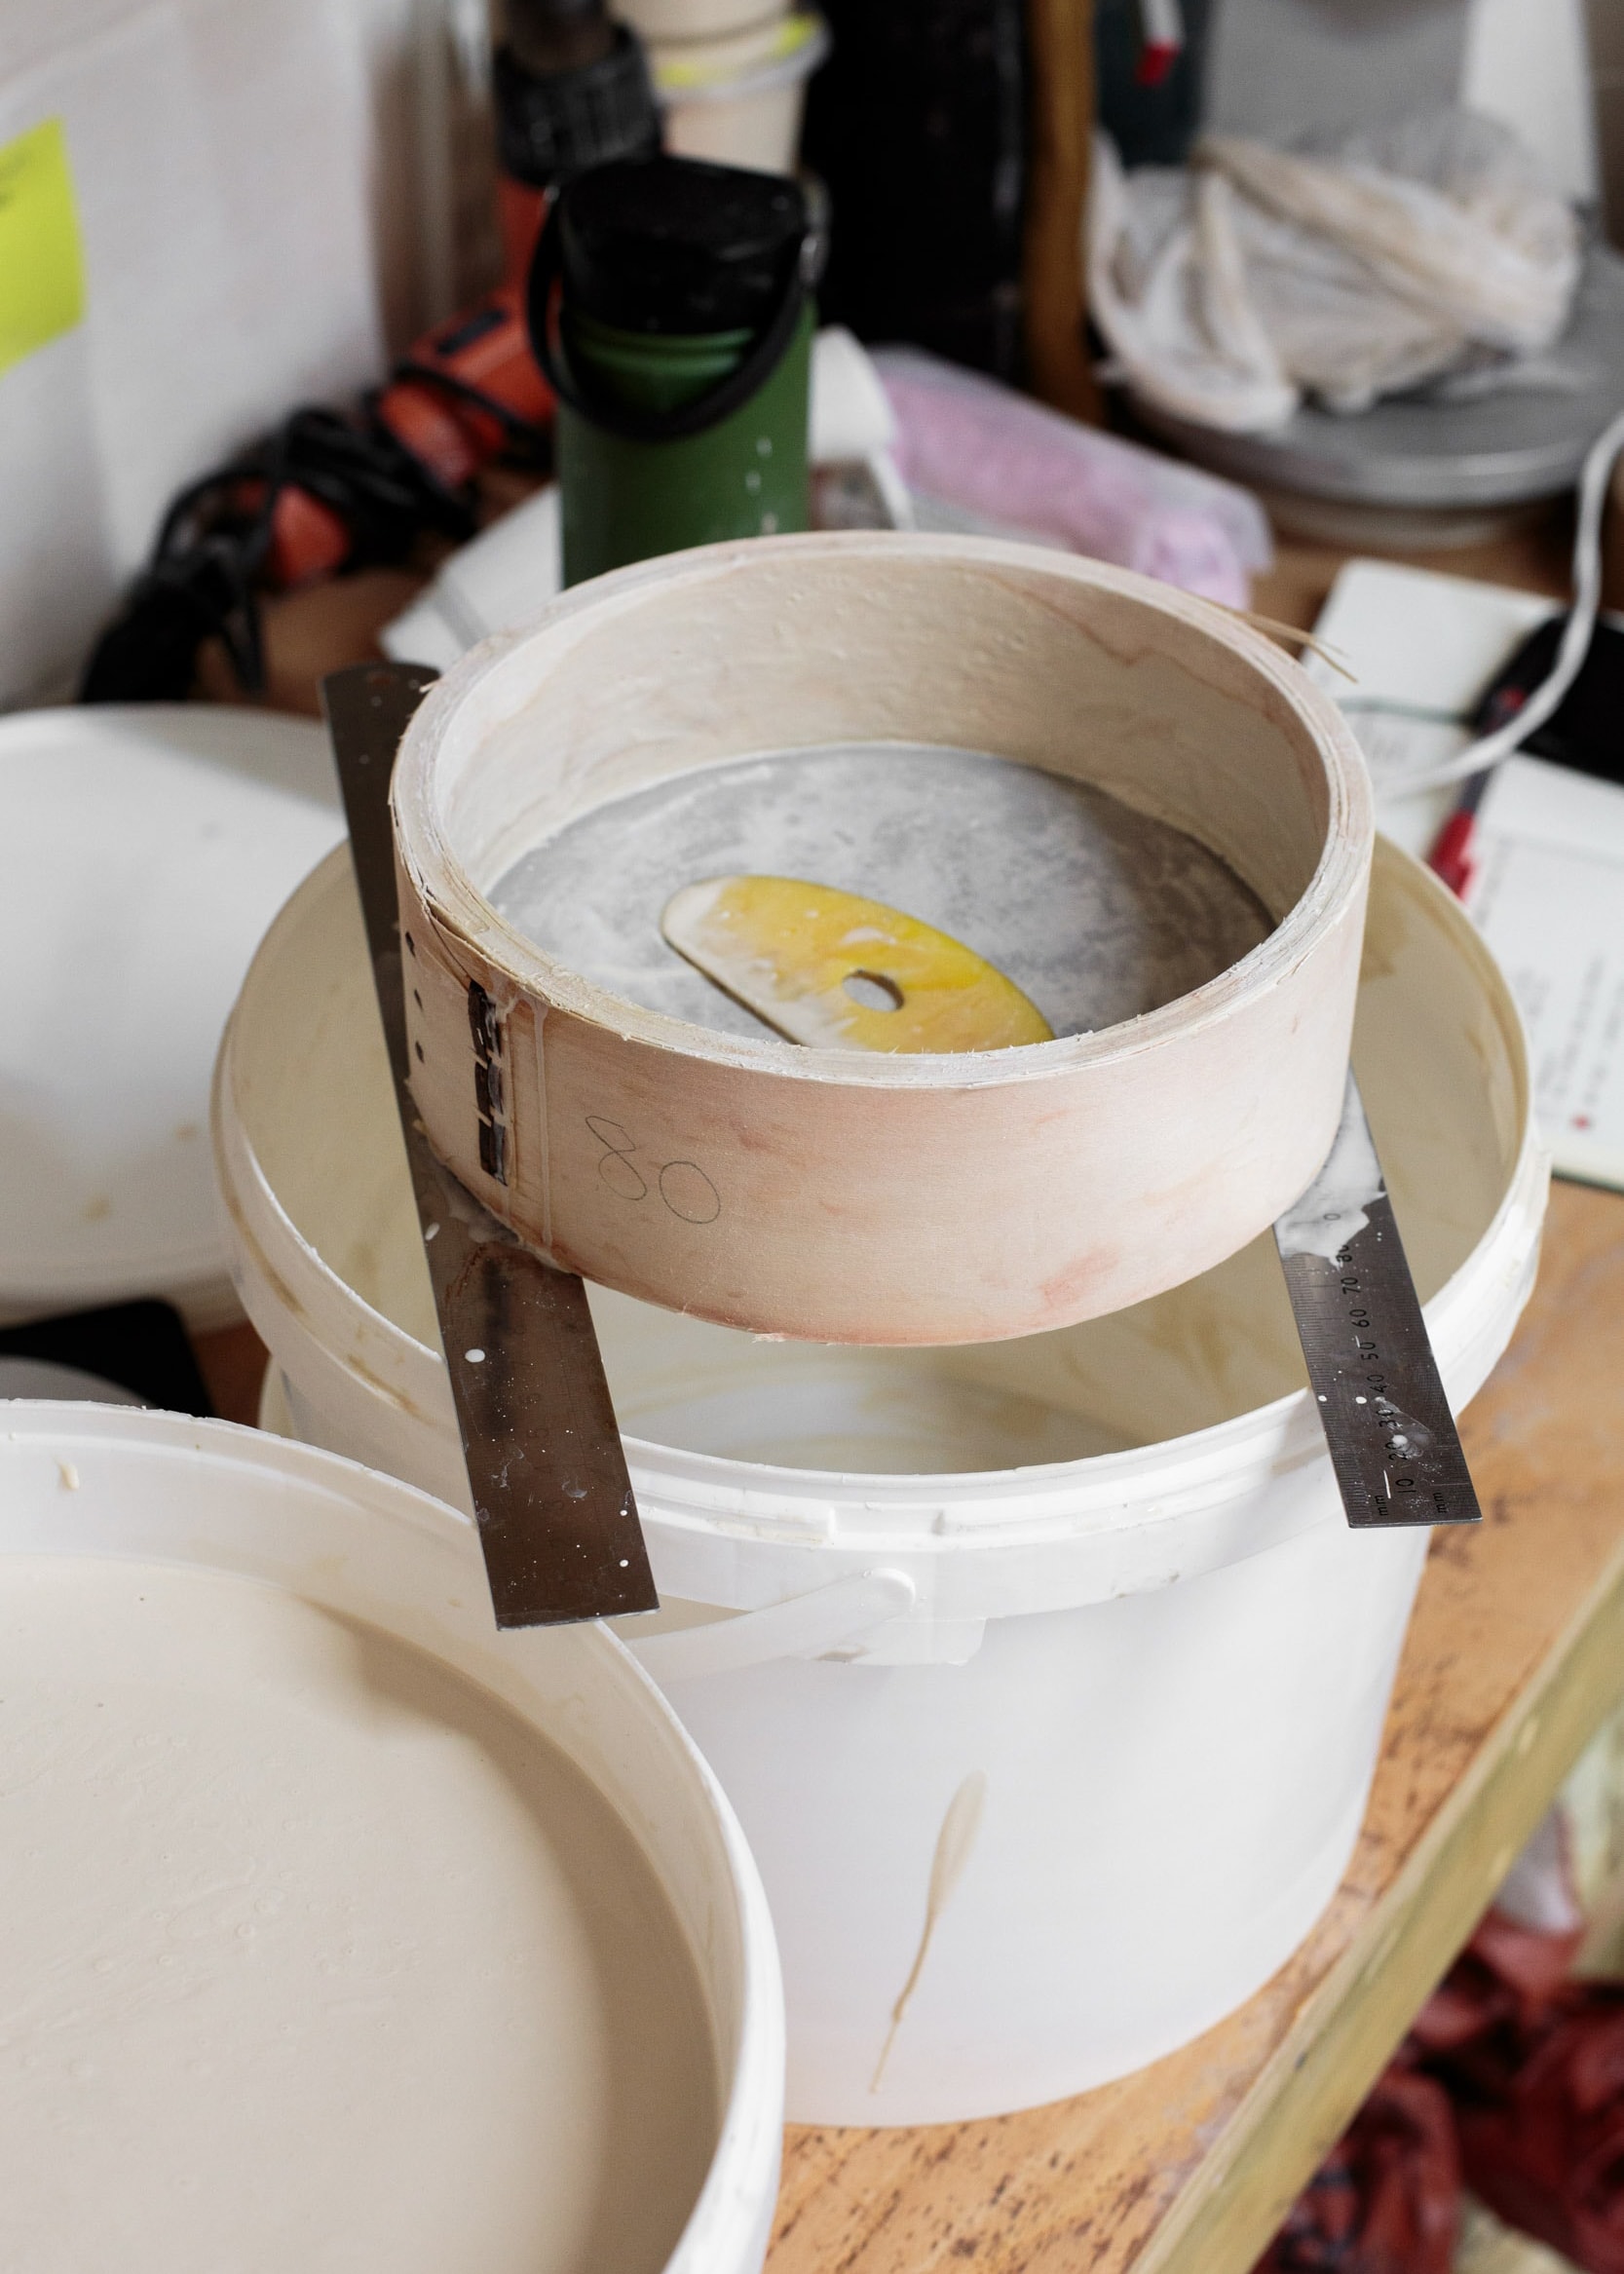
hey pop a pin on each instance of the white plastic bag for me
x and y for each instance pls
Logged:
(1008, 463)
(1233, 288)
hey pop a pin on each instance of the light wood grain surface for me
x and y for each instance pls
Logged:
(804, 1193)
(1516, 1651)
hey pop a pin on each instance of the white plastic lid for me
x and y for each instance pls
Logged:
(146, 851)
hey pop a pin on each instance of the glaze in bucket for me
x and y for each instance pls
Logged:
(340, 1932)
(1073, 1624)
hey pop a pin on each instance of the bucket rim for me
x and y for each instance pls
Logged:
(740, 2178)
(775, 1504)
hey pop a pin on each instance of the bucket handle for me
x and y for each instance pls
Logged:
(804, 1627)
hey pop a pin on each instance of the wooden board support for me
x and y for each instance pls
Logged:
(1516, 1652)
(1060, 42)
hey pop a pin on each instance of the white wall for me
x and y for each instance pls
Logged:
(1279, 64)
(1527, 63)
(265, 192)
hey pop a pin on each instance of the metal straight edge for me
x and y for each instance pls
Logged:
(1372, 1371)
(552, 1498)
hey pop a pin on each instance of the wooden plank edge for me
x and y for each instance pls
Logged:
(1345, 2031)
(1060, 42)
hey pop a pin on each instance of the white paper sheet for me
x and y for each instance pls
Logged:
(1547, 887)
(1548, 894)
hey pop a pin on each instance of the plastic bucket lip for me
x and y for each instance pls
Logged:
(1086, 1498)
(1284, 1430)
(744, 1536)
(727, 2228)
(448, 724)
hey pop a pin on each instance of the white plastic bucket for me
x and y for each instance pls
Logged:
(433, 2039)
(736, 98)
(1117, 1676)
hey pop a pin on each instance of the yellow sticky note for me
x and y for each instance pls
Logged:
(42, 269)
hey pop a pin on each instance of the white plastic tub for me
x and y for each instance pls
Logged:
(250, 1688)
(1078, 1616)
(737, 95)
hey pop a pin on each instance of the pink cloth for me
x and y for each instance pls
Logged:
(1005, 459)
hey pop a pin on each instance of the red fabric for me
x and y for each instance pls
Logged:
(1501, 1986)
(1512, 2076)
(1543, 2126)
(1388, 2198)
(1534, 2064)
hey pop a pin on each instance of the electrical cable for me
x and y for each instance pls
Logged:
(217, 536)
(1487, 750)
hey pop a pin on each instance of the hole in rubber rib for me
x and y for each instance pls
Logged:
(873, 990)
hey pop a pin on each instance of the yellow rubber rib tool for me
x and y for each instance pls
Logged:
(839, 972)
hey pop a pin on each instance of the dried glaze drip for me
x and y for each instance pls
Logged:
(1332, 1211)
(316, 1956)
(1097, 913)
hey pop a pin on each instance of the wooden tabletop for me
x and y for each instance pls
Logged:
(1514, 1652)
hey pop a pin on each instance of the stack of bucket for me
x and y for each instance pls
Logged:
(1050, 1700)
(731, 75)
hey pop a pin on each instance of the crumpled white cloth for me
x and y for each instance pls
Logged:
(1233, 288)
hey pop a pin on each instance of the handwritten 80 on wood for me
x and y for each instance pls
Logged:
(624, 1167)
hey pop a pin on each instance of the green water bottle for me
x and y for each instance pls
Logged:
(670, 307)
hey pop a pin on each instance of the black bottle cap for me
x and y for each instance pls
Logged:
(551, 127)
(677, 245)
